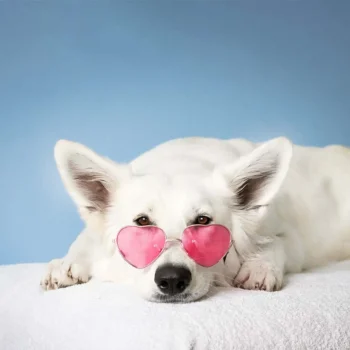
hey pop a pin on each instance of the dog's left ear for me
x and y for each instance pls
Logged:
(255, 178)
(90, 179)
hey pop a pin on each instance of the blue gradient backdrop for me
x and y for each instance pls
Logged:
(122, 77)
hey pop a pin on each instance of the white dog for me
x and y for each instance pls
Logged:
(287, 208)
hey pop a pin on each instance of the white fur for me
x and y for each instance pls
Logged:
(298, 219)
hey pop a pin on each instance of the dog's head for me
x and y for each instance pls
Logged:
(232, 195)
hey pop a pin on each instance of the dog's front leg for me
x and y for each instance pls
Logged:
(74, 268)
(263, 269)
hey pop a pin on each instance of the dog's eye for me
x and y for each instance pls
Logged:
(143, 221)
(202, 220)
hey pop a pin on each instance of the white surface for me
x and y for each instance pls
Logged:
(311, 312)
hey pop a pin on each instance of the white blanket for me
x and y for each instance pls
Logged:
(311, 312)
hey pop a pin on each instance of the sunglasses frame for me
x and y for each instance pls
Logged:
(165, 247)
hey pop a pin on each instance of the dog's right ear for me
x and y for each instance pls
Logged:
(256, 178)
(91, 180)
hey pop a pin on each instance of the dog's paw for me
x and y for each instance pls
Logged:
(60, 274)
(258, 275)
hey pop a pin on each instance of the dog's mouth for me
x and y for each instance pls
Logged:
(181, 298)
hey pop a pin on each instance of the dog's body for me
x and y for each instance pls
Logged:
(286, 212)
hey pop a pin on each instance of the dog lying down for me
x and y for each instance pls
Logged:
(195, 213)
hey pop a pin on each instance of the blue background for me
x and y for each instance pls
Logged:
(122, 77)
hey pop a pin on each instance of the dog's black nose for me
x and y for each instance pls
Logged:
(172, 279)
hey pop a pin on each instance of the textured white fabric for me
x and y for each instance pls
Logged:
(311, 312)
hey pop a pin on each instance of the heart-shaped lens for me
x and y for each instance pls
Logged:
(140, 246)
(206, 245)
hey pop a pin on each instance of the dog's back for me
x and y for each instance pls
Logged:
(314, 202)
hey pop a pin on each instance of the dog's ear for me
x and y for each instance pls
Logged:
(256, 178)
(91, 180)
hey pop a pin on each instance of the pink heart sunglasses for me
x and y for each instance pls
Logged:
(140, 246)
